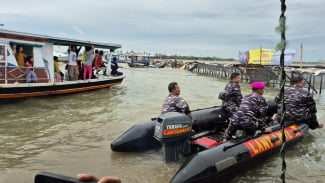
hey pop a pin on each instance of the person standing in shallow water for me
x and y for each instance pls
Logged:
(232, 96)
(175, 103)
(299, 104)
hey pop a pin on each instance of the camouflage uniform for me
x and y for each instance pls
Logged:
(233, 97)
(300, 106)
(175, 103)
(250, 116)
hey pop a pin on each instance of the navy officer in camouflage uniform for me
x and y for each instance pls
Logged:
(251, 114)
(232, 94)
(299, 104)
(175, 103)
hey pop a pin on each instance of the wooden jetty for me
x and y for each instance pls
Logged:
(270, 74)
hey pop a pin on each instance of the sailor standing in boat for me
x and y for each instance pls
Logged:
(299, 104)
(232, 97)
(251, 114)
(175, 103)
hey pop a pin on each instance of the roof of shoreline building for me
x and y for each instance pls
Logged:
(55, 40)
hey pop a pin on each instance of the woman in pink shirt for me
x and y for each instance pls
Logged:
(30, 74)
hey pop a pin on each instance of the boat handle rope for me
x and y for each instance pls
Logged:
(275, 139)
(296, 131)
(225, 148)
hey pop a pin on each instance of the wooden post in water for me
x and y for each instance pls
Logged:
(309, 83)
(301, 56)
(321, 84)
(261, 55)
(314, 77)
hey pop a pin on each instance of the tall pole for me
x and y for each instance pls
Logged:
(301, 56)
(261, 55)
(281, 28)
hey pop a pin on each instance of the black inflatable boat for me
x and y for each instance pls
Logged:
(140, 137)
(221, 162)
(208, 159)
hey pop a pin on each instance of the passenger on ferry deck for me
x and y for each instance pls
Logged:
(14, 49)
(232, 96)
(73, 71)
(57, 68)
(114, 67)
(30, 74)
(89, 56)
(81, 64)
(20, 56)
(99, 62)
(300, 106)
(175, 103)
(95, 57)
(251, 114)
(93, 64)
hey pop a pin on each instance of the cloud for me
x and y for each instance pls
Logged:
(215, 28)
(78, 30)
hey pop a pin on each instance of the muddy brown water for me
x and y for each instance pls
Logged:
(71, 134)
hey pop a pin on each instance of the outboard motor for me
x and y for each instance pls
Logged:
(173, 130)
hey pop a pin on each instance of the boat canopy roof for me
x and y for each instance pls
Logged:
(54, 40)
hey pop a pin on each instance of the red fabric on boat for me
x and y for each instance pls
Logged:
(206, 142)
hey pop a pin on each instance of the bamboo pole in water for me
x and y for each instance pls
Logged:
(261, 55)
(321, 84)
(301, 56)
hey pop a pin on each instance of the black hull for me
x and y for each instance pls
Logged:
(214, 118)
(205, 162)
(45, 89)
(138, 65)
(221, 163)
(140, 136)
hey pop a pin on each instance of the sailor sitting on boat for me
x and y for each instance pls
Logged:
(299, 104)
(175, 103)
(231, 96)
(251, 114)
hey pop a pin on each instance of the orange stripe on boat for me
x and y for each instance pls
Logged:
(269, 141)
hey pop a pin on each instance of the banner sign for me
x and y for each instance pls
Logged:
(265, 56)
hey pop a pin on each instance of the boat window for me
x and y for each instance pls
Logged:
(28, 50)
(139, 58)
(28, 47)
(2, 53)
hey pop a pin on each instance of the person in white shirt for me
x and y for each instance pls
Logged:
(73, 71)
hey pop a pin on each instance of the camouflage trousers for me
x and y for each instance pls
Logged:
(248, 126)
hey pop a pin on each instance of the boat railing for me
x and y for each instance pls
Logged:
(16, 74)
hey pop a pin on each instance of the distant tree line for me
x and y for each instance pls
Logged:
(179, 57)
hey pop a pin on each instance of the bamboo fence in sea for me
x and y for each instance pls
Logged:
(313, 76)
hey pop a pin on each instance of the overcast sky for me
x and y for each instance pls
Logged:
(218, 28)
